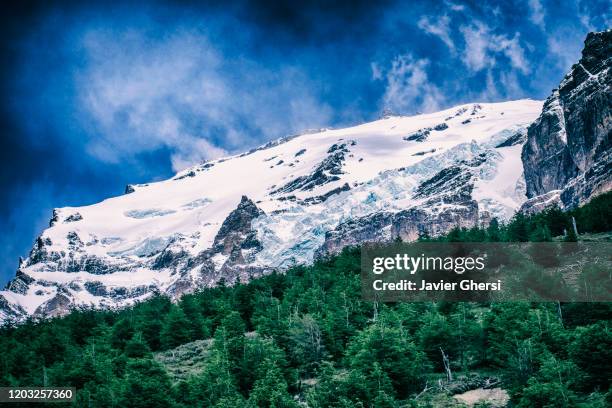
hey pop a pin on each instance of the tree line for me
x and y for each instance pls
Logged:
(306, 337)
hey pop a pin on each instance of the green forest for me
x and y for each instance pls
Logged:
(306, 338)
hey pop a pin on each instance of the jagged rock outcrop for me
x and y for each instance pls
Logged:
(20, 283)
(539, 203)
(58, 305)
(447, 204)
(229, 259)
(519, 137)
(568, 146)
(329, 170)
(236, 232)
(407, 225)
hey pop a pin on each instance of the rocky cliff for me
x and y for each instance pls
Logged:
(567, 158)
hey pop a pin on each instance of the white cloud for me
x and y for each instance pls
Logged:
(512, 87)
(564, 48)
(504, 85)
(476, 55)
(482, 47)
(376, 71)
(490, 92)
(454, 6)
(182, 95)
(194, 150)
(512, 49)
(438, 26)
(408, 87)
(588, 19)
(537, 13)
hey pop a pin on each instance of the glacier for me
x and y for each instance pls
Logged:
(279, 205)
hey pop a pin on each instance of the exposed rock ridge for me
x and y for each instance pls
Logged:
(327, 171)
(446, 203)
(568, 146)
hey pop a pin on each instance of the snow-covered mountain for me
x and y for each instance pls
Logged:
(282, 204)
(301, 197)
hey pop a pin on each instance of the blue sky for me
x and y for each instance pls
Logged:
(95, 96)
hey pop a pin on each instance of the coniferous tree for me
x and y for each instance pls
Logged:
(271, 390)
(136, 347)
(176, 329)
(146, 385)
(494, 231)
(592, 352)
(518, 229)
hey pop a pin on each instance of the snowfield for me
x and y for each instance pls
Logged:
(306, 185)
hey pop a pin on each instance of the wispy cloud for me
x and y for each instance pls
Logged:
(482, 47)
(183, 95)
(537, 13)
(377, 72)
(591, 19)
(408, 87)
(476, 54)
(454, 6)
(438, 26)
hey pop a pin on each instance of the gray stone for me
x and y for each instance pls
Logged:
(568, 146)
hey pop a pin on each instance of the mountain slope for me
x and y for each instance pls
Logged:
(284, 203)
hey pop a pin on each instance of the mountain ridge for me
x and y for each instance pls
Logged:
(298, 198)
(302, 197)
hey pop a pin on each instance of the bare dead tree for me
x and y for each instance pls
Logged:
(446, 362)
(574, 226)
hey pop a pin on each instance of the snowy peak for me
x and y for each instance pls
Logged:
(285, 203)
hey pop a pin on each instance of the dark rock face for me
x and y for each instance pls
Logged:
(595, 180)
(539, 203)
(189, 174)
(39, 251)
(327, 171)
(74, 217)
(58, 305)
(422, 134)
(322, 198)
(10, 311)
(449, 177)
(88, 263)
(54, 218)
(96, 288)
(410, 224)
(236, 230)
(517, 138)
(424, 152)
(568, 146)
(372, 228)
(237, 241)
(419, 136)
(169, 258)
(475, 109)
(20, 283)
(74, 242)
(407, 225)
(447, 203)
(234, 245)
